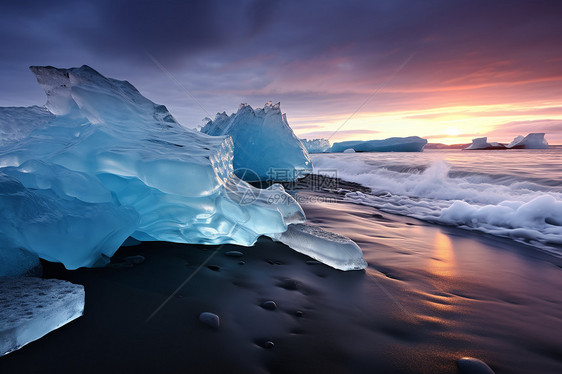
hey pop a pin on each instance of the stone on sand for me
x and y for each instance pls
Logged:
(210, 319)
(470, 365)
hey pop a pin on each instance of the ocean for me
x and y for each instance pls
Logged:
(515, 194)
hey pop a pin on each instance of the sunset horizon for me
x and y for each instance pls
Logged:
(445, 71)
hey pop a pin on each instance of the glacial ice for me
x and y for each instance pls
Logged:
(59, 228)
(265, 147)
(482, 144)
(17, 122)
(329, 248)
(396, 144)
(18, 262)
(531, 141)
(33, 307)
(316, 145)
(101, 163)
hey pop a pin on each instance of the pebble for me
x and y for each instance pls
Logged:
(268, 344)
(269, 305)
(214, 267)
(234, 254)
(470, 365)
(241, 263)
(299, 313)
(210, 319)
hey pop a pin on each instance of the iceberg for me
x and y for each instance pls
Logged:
(33, 307)
(327, 247)
(316, 145)
(100, 162)
(482, 144)
(396, 144)
(265, 147)
(532, 141)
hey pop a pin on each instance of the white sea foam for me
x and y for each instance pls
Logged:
(508, 205)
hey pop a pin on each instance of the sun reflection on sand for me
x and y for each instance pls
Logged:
(443, 262)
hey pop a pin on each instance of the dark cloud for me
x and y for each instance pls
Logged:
(316, 57)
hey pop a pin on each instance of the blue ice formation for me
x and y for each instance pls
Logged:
(100, 162)
(33, 307)
(408, 144)
(265, 147)
(316, 145)
(534, 140)
(327, 247)
(482, 144)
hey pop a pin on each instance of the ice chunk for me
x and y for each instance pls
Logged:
(532, 141)
(332, 249)
(264, 143)
(33, 307)
(316, 145)
(110, 163)
(66, 230)
(18, 262)
(408, 144)
(482, 144)
(16, 123)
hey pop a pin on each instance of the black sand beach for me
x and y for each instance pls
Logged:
(430, 295)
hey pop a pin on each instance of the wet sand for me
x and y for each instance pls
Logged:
(430, 295)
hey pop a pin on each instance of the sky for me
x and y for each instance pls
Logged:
(445, 70)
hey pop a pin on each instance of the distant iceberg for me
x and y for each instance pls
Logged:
(265, 147)
(408, 144)
(534, 140)
(482, 144)
(531, 141)
(316, 145)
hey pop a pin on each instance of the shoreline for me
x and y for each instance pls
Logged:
(430, 296)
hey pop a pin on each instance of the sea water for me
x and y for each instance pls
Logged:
(512, 193)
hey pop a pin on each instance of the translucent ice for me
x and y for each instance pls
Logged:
(532, 141)
(18, 262)
(33, 307)
(408, 144)
(103, 162)
(264, 143)
(332, 249)
(316, 145)
(16, 122)
(59, 228)
(482, 144)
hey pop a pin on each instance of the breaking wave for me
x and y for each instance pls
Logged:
(476, 192)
